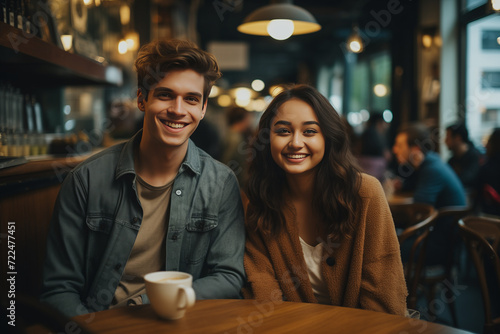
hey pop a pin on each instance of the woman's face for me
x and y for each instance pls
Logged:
(297, 143)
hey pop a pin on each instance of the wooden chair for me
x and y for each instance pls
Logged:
(482, 238)
(444, 273)
(413, 221)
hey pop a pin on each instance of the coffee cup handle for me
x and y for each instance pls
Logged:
(188, 298)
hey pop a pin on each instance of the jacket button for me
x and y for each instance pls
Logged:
(178, 192)
(330, 261)
(118, 266)
(174, 237)
(134, 220)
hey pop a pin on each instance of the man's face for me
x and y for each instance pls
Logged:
(401, 149)
(451, 141)
(173, 109)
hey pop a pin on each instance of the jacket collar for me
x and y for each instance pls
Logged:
(126, 161)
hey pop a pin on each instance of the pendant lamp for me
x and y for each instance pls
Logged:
(280, 20)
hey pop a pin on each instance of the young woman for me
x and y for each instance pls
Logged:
(318, 230)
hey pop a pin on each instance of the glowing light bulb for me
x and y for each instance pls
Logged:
(224, 100)
(67, 42)
(380, 90)
(258, 85)
(214, 92)
(355, 46)
(387, 115)
(122, 47)
(427, 41)
(280, 29)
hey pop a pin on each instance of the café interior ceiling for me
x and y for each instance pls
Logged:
(272, 60)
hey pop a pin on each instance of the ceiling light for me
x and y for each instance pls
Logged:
(354, 42)
(280, 29)
(380, 90)
(132, 39)
(279, 20)
(214, 92)
(258, 85)
(224, 100)
(124, 15)
(122, 47)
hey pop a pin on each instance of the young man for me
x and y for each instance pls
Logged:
(466, 159)
(431, 180)
(156, 202)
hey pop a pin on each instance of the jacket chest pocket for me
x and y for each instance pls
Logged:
(99, 233)
(198, 236)
(100, 224)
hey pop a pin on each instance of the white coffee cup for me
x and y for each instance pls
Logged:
(170, 293)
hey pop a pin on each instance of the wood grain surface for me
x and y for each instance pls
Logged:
(248, 316)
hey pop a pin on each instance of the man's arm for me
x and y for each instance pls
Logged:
(225, 256)
(63, 274)
(430, 183)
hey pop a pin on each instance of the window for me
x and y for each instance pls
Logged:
(482, 77)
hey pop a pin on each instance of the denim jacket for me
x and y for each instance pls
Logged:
(98, 214)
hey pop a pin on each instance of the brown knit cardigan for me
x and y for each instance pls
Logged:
(364, 271)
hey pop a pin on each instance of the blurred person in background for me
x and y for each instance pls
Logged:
(432, 182)
(465, 159)
(374, 152)
(430, 179)
(208, 139)
(237, 141)
(488, 185)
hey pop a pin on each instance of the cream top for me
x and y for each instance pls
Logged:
(313, 257)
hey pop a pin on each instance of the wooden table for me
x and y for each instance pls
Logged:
(248, 316)
(400, 198)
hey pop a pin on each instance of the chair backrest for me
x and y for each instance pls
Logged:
(410, 214)
(482, 237)
(451, 215)
(414, 221)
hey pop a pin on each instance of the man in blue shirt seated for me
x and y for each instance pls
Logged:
(431, 180)
(156, 202)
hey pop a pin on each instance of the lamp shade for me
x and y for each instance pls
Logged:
(257, 22)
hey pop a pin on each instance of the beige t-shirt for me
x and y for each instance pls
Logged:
(312, 257)
(148, 252)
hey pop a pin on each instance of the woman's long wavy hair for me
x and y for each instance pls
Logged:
(337, 183)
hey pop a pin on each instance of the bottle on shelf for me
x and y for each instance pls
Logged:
(20, 14)
(12, 12)
(3, 11)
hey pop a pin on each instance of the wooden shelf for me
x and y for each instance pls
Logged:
(30, 61)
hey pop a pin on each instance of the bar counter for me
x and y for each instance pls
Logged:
(27, 196)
